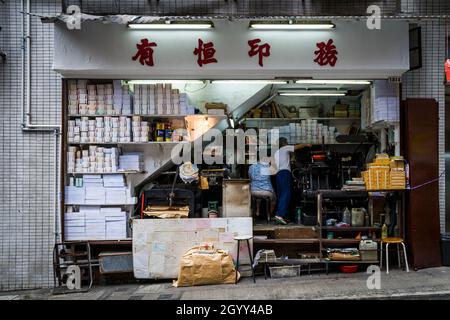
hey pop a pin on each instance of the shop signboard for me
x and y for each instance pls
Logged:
(232, 50)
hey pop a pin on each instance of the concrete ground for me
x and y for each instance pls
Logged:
(431, 283)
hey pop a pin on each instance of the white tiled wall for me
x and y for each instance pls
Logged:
(27, 159)
(427, 82)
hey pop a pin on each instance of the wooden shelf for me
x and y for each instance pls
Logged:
(323, 144)
(103, 242)
(101, 204)
(272, 227)
(344, 241)
(351, 261)
(350, 229)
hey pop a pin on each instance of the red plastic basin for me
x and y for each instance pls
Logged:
(349, 269)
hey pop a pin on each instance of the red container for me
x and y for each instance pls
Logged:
(447, 70)
(349, 269)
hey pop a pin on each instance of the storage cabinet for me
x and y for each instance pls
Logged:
(236, 198)
(419, 140)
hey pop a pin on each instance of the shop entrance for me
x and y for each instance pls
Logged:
(344, 178)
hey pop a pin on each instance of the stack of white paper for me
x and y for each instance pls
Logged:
(74, 223)
(126, 100)
(131, 161)
(74, 195)
(116, 195)
(113, 180)
(117, 98)
(96, 223)
(116, 223)
(95, 227)
(92, 180)
(95, 195)
(386, 102)
(185, 108)
(90, 210)
(111, 189)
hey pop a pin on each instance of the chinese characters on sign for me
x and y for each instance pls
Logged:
(260, 50)
(145, 52)
(205, 53)
(326, 54)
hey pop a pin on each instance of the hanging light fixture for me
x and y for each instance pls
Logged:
(291, 25)
(173, 25)
(308, 93)
(165, 81)
(318, 81)
(249, 81)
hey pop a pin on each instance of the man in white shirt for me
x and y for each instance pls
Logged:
(284, 178)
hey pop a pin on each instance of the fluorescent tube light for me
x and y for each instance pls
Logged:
(250, 81)
(172, 25)
(306, 93)
(332, 81)
(298, 94)
(231, 122)
(291, 25)
(165, 81)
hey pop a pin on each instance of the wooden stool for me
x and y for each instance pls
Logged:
(258, 199)
(398, 242)
(247, 239)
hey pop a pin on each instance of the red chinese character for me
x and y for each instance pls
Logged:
(145, 52)
(205, 53)
(262, 50)
(326, 54)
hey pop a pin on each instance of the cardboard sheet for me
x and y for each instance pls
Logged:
(158, 245)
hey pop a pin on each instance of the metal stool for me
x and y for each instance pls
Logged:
(247, 239)
(398, 242)
(267, 200)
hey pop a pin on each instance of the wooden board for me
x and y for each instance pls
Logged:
(158, 244)
(295, 233)
(419, 140)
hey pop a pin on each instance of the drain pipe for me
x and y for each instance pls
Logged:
(27, 125)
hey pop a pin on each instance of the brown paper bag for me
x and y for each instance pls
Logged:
(204, 265)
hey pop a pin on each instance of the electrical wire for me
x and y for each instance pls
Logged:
(196, 90)
(428, 182)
